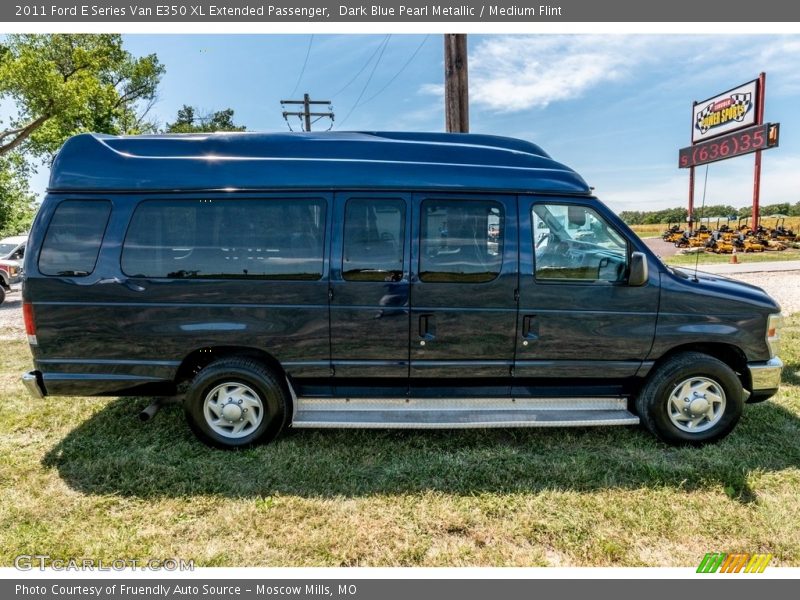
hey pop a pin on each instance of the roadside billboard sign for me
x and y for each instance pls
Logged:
(726, 112)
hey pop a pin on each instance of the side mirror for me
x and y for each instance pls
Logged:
(638, 272)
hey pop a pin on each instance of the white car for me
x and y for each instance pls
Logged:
(12, 252)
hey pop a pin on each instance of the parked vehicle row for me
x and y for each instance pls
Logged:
(725, 239)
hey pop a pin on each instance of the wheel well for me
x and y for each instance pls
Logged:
(197, 360)
(727, 353)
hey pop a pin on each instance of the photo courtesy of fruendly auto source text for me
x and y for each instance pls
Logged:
(376, 300)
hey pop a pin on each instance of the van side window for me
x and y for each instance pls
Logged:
(229, 239)
(575, 243)
(73, 239)
(374, 236)
(461, 241)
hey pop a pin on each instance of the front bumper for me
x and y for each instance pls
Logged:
(765, 378)
(33, 383)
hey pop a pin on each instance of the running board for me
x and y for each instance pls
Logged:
(448, 413)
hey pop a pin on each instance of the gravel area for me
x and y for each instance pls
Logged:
(11, 326)
(660, 247)
(784, 286)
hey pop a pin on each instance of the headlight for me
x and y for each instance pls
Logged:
(774, 323)
(13, 270)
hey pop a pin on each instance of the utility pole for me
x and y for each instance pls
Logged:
(306, 113)
(456, 84)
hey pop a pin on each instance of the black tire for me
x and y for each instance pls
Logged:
(653, 402)
(259, 380)
(2, 294)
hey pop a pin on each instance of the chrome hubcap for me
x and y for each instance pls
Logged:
(231, 412)
(233, 409)
(699, 406)
(696, 404)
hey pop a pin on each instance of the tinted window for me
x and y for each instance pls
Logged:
(73, 239)
(576, 243)
(374, 232)
(461, 240)
(242, 239)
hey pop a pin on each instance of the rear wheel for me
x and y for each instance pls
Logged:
(692, 399)
(236, 403)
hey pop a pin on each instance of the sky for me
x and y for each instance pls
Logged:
(616, 108)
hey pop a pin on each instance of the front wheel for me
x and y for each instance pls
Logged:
(692, 399)
(235, 403)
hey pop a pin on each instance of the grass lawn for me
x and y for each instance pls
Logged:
(648, 231)
(82, 477)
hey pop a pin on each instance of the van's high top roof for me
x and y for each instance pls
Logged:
(324, 161)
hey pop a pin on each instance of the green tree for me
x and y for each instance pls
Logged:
(189, 121)
(714, 210)
(632, 217)
(16, 200)
(775, 209)
(63, 84)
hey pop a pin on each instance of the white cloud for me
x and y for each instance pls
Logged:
(432, 89)
(517, 73)
(782, 57)
(512, 73)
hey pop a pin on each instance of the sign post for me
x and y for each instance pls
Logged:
(762, 86)
(690, 214)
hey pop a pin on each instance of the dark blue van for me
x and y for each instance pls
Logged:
(406, 280)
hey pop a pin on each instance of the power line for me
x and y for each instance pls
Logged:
(396, 75)
(364, 66)
(305, 62)
(366, 84)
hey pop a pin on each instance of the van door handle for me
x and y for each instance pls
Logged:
(427, 327)
(530, 327)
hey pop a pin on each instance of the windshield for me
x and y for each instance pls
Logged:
(6, 249)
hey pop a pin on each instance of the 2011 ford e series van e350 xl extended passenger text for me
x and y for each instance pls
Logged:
(387, 280)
